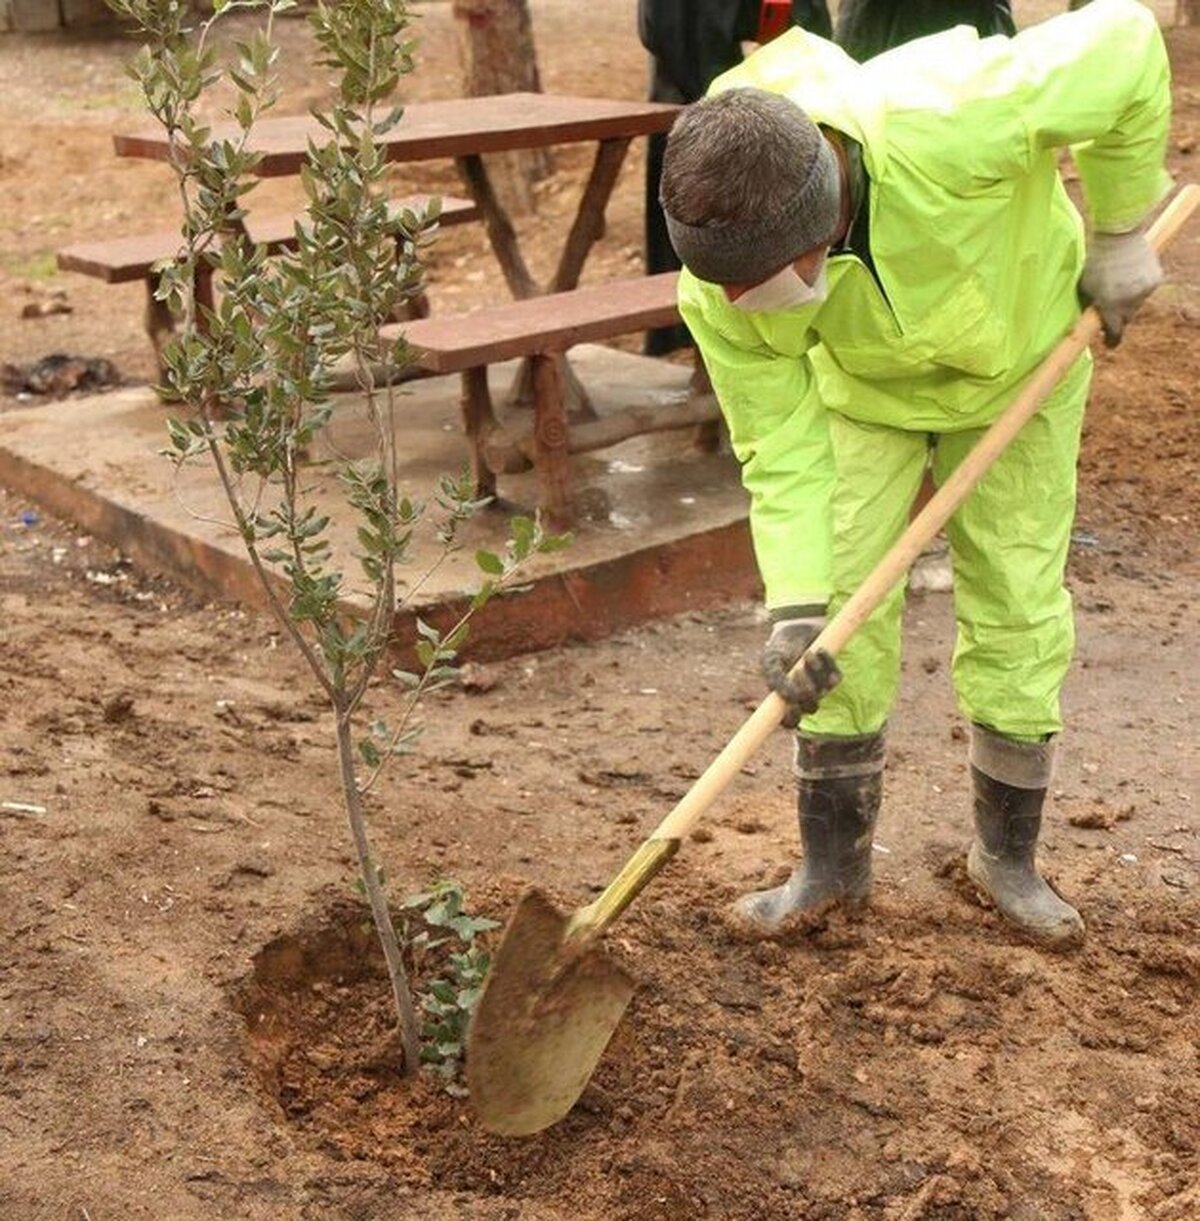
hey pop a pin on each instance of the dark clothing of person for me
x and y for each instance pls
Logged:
(865, 28)
(691, 42)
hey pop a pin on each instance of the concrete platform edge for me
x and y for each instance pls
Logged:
(701, 571)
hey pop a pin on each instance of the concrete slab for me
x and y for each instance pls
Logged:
(661, 524)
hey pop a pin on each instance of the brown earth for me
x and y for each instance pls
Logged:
(193, 1025)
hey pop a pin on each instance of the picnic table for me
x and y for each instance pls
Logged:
(465, 130)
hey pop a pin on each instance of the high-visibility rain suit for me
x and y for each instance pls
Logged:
(833, 409)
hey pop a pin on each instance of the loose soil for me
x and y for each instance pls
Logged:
(193, 1018)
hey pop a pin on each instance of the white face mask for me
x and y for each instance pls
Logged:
(786, 289)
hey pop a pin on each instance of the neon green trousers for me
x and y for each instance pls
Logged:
(1008, 545)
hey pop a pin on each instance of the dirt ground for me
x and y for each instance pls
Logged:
(192, 1023)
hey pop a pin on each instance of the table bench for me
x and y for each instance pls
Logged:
(125, 259)
(541, 329)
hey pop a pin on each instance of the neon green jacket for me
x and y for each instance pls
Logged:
(976, 245)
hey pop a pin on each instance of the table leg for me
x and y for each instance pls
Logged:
(576, 402)
(206, 297)
(550, 438)
(586, 229)
(500, 229)
(588, 225)
(479, 421)
(160, 324)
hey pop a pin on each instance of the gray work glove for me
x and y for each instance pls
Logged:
(1120, 272)
(793, 629)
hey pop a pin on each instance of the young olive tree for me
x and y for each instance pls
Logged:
(250, 371)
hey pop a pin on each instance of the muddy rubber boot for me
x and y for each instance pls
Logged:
(1008, 820)
(839, 783)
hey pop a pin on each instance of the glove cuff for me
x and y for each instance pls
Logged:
(786, 614)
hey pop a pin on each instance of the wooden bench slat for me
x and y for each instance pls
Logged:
(551, 323)
(120, 260)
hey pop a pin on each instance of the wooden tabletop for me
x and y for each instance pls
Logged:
(456, 127)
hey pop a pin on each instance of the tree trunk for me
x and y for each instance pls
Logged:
(1187, 12)
(408, 1023)
(495, 39)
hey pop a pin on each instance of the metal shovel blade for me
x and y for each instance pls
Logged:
(548, 1010)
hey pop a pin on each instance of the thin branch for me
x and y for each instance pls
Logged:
(423, 683)
(415, 587)
(195, 514)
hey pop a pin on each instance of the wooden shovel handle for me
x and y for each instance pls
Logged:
(990, 446)
(664, 841)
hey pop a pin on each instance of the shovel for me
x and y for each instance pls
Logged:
(554, 997)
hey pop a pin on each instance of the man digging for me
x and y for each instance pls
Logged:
(876, 257)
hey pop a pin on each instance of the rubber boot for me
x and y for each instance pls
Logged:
(839, 783)
(1010, 780)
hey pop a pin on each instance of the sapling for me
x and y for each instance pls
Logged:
(251, 368)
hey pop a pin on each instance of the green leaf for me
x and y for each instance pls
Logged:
(467, 926)
(443, 991)
(406, 742)
(180, 437)
(555, 542)
(490, 563)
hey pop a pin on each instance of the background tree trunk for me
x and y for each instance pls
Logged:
(1187, 12)
(495, 39)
